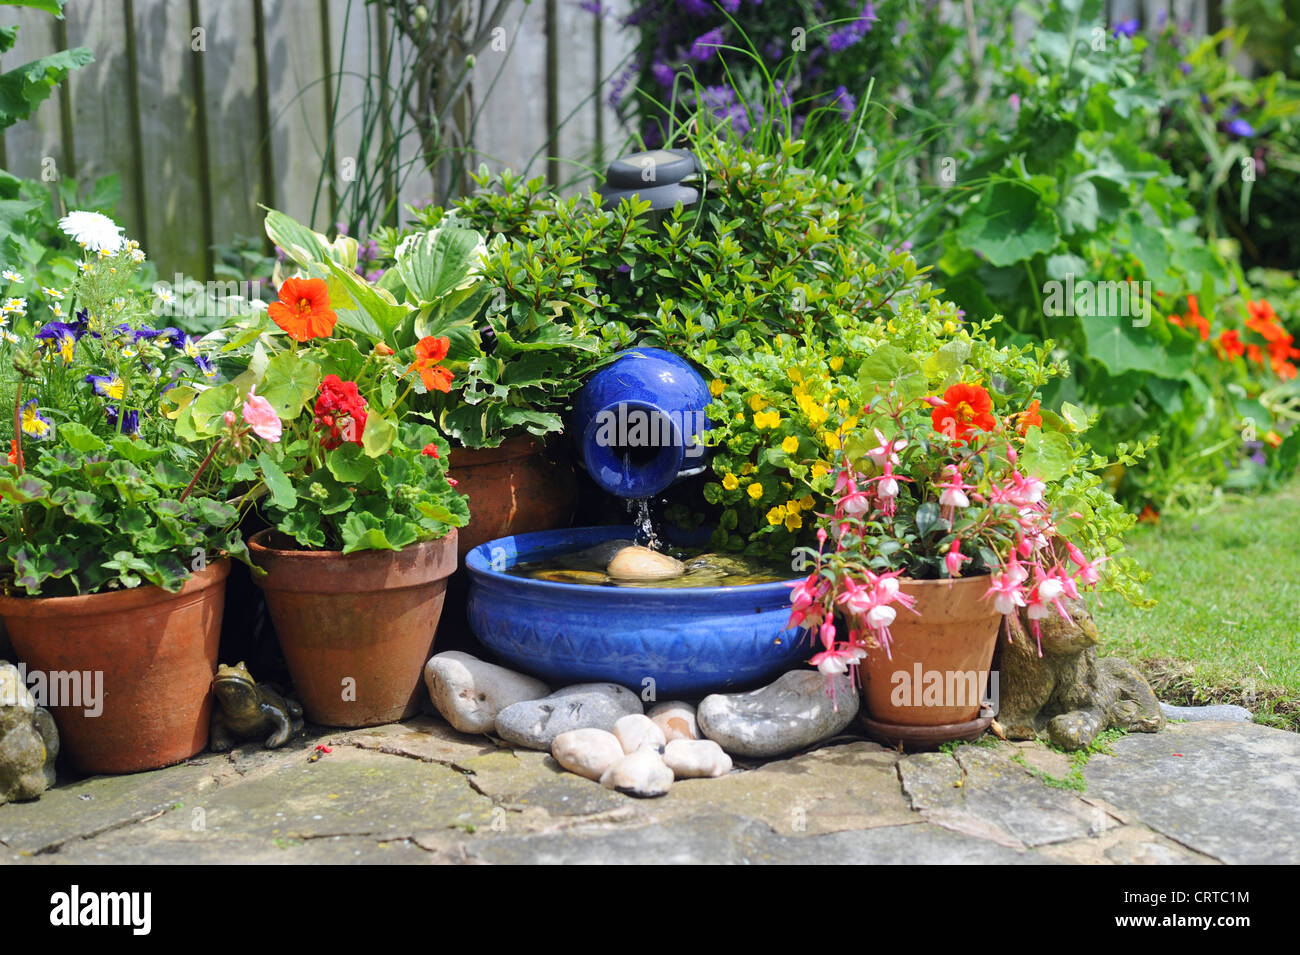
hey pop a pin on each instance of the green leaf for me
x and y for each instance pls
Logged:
(80, 438)
(378, 435)
(281, 488)
(1075, 416)
(1009, 225)
(1120, 347)
(289, 383)
(348, 463)
(299, 242)
(435, 263)
(1048, 455)
(24, 89)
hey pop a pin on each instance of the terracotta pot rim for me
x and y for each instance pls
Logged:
(520, 446)
(113, 601)
(370, 571)
(943, 581)
(256, 546)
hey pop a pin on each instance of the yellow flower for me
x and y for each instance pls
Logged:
(806, 502)
(747, 468)
(717, 387)
(729, 481)
(850, 422)
(755, 490)
(776, 515)
(949, 327)
(790, 445)
(889, 327)
(831, 440)
(766, 419)
(793, 521)
(820, 471)
(836, 363)
(740, 416)
(757, 402)
(795, 375)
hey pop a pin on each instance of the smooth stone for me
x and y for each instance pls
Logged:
(793, 712)
(643, 774)
(534, 724)
(469, 692)
(676, 719)
(29, 741)
(642, 563)
(1220, 712)
(587, 752)
(638, 731)
(599, 555)
(696, 759)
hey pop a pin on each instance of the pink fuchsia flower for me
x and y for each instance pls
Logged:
(887, 489)
(954, 559)
(1006, 592)
(261, 417)
(953, 492)
(887, 451)
(1087, 574)
(849, 499)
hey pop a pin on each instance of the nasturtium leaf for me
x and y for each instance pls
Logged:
(277, 482)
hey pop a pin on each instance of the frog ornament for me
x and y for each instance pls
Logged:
(246, 709)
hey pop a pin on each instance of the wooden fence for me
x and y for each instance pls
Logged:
(207, 108)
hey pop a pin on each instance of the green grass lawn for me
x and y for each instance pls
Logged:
(1226, 628)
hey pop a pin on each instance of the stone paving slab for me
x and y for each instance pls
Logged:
(1230, 791)
(420, 792)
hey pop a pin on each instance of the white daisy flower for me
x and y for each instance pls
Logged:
(86, 266)
(15, 306)
(165, 294)
(91, 230)
(57, 310)
(119, 303)
(10, 337)
(137, 256)
(9, 275)
(52, 293)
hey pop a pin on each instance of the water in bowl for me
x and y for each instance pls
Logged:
(703, 568)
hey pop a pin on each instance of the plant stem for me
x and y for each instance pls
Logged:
(202, 467)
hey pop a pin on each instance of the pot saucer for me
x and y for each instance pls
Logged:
(920, 738)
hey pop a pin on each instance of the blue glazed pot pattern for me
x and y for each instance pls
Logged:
(690, 641)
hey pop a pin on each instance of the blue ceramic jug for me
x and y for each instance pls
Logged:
(639, 422)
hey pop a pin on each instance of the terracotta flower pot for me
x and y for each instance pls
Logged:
(512, 489)
(157, 653)
(356, 629)
(939, 665)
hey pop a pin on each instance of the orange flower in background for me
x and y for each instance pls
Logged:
(1149, 515)
(304, 309)
(1029, 418)
(965, 408)
(1255, 354)
(1196, 318)
(1272, 439)
(1231, 344)
(13, 452)
(428, 352)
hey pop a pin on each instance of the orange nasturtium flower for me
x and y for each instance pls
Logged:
(1029, 418)
(1231, 343)
(965, 407)
(304, 309)
(428, 352)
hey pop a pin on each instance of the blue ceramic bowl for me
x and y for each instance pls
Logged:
(690, 641)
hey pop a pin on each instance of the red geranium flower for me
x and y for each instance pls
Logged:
(965, 407)
(304, 309)
(340, 412)
(430, 450)
(428, 352)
